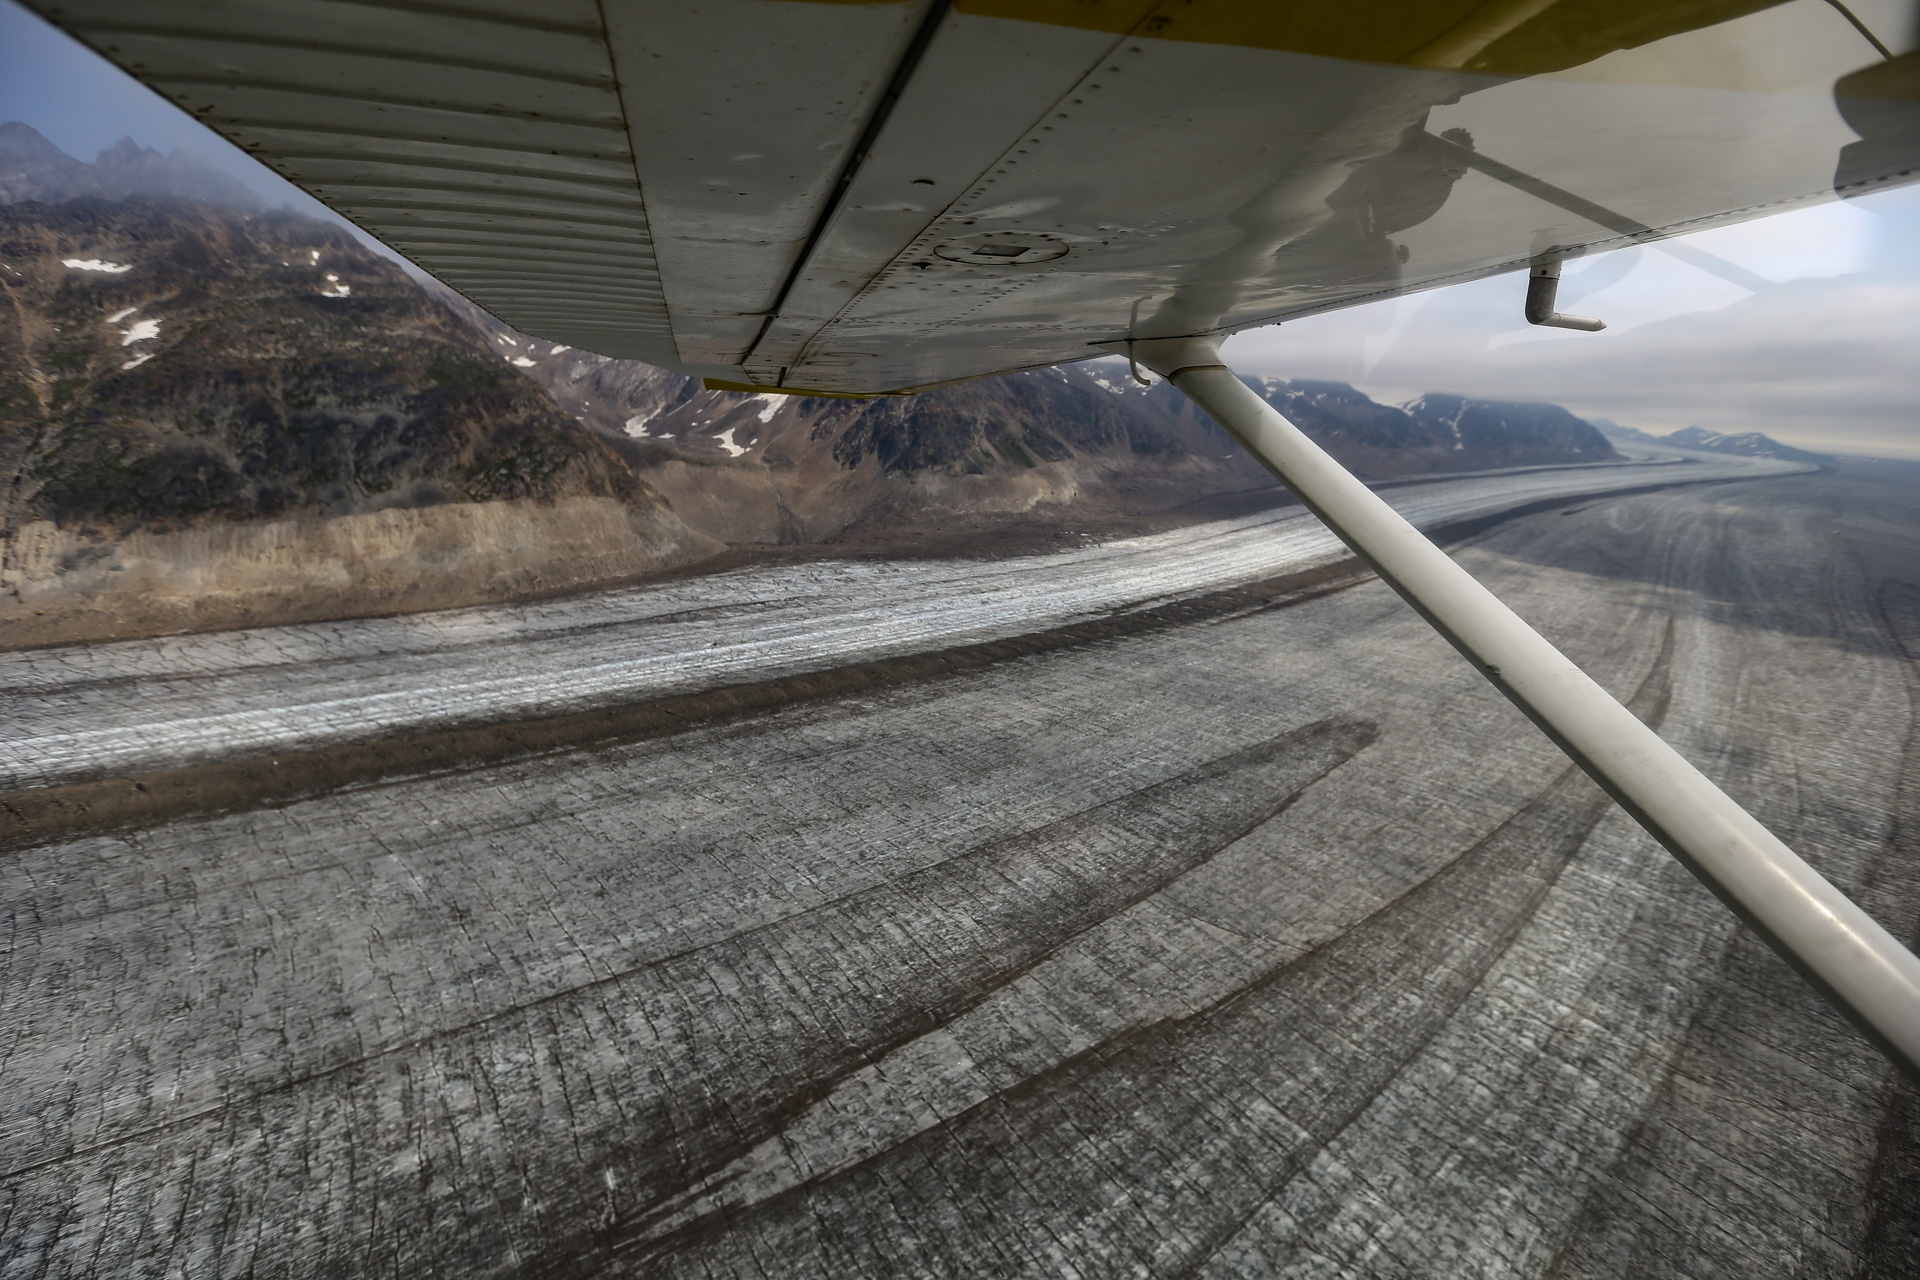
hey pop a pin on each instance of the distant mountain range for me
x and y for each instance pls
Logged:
(173, 357)
(1081, 440)
(1748, 444)
(32, 168)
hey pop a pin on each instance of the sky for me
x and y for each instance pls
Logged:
(1823, 358)
(83, 104)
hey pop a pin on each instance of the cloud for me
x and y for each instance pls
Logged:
(1823, 358)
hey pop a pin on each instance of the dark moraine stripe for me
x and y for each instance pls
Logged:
(703, 1054)
(1147, 1153)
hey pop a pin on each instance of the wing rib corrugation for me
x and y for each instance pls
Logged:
(508, 218)
(482, 110)
(127, 39)
(586, 283)
(570, 265)
(256, 116)
(488, 143)
(615, 340)
(424, 220)
(608, 298)
(315, 20)
(392, 170)
(494, 197)
(581, 298)
(619, 254)
(611, 319)
(605, 304)
(316, 143)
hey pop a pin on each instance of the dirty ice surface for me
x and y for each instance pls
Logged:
(76, 712)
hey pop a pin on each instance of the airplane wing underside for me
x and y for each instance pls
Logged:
(867, 197)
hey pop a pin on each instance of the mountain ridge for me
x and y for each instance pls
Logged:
(1084, 439)
(34, 169)
(1746, 444)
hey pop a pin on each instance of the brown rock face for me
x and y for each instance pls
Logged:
(169, 369)
(171, 363)
(63, 585)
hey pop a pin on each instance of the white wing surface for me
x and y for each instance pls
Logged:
(870, 197)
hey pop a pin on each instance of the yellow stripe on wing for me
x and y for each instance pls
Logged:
(1495, 37)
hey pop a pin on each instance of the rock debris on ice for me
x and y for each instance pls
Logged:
(804, 617)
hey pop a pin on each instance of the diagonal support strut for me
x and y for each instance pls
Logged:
(1861, 968)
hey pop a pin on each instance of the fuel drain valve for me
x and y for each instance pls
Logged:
(1543, 285)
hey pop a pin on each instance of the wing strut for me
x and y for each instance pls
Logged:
(1867, 974)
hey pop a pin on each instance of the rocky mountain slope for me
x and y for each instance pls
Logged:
(1435, 433)
(1019, 457)
(210, 416)
(170, 363)
(1077, 444)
